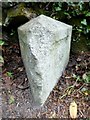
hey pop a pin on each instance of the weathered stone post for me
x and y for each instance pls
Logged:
(45, 47)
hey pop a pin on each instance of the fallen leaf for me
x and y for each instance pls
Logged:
(77, 68)
(86, 93)
(73, 110)
(78, 59)
(7, 81)
(53, 115)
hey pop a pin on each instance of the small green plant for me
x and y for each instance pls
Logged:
(1, 42)
(87, 14)
(84, 22)
(76, 77)
(1, 59)
(10, 74)
(85, 77)
(11, 99)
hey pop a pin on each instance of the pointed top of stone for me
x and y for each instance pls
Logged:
(47, 25)
(46, 21)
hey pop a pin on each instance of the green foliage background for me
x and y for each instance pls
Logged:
(76, 14)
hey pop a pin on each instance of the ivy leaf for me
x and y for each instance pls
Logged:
(88, 14)
(57, 8)
(79, 30)
(65, 13)
(1, 42)
(84, 22)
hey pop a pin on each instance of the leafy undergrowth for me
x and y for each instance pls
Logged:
(74, 85)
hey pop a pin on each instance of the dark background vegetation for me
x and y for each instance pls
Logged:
(76, 14)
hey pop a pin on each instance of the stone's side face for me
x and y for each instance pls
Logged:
(45, 47)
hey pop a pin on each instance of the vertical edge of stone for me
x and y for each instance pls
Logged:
(69, 33)
(34, 83)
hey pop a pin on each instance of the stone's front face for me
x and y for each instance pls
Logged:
(45, 47)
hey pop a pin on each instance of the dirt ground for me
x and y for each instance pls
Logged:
(16, 96)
